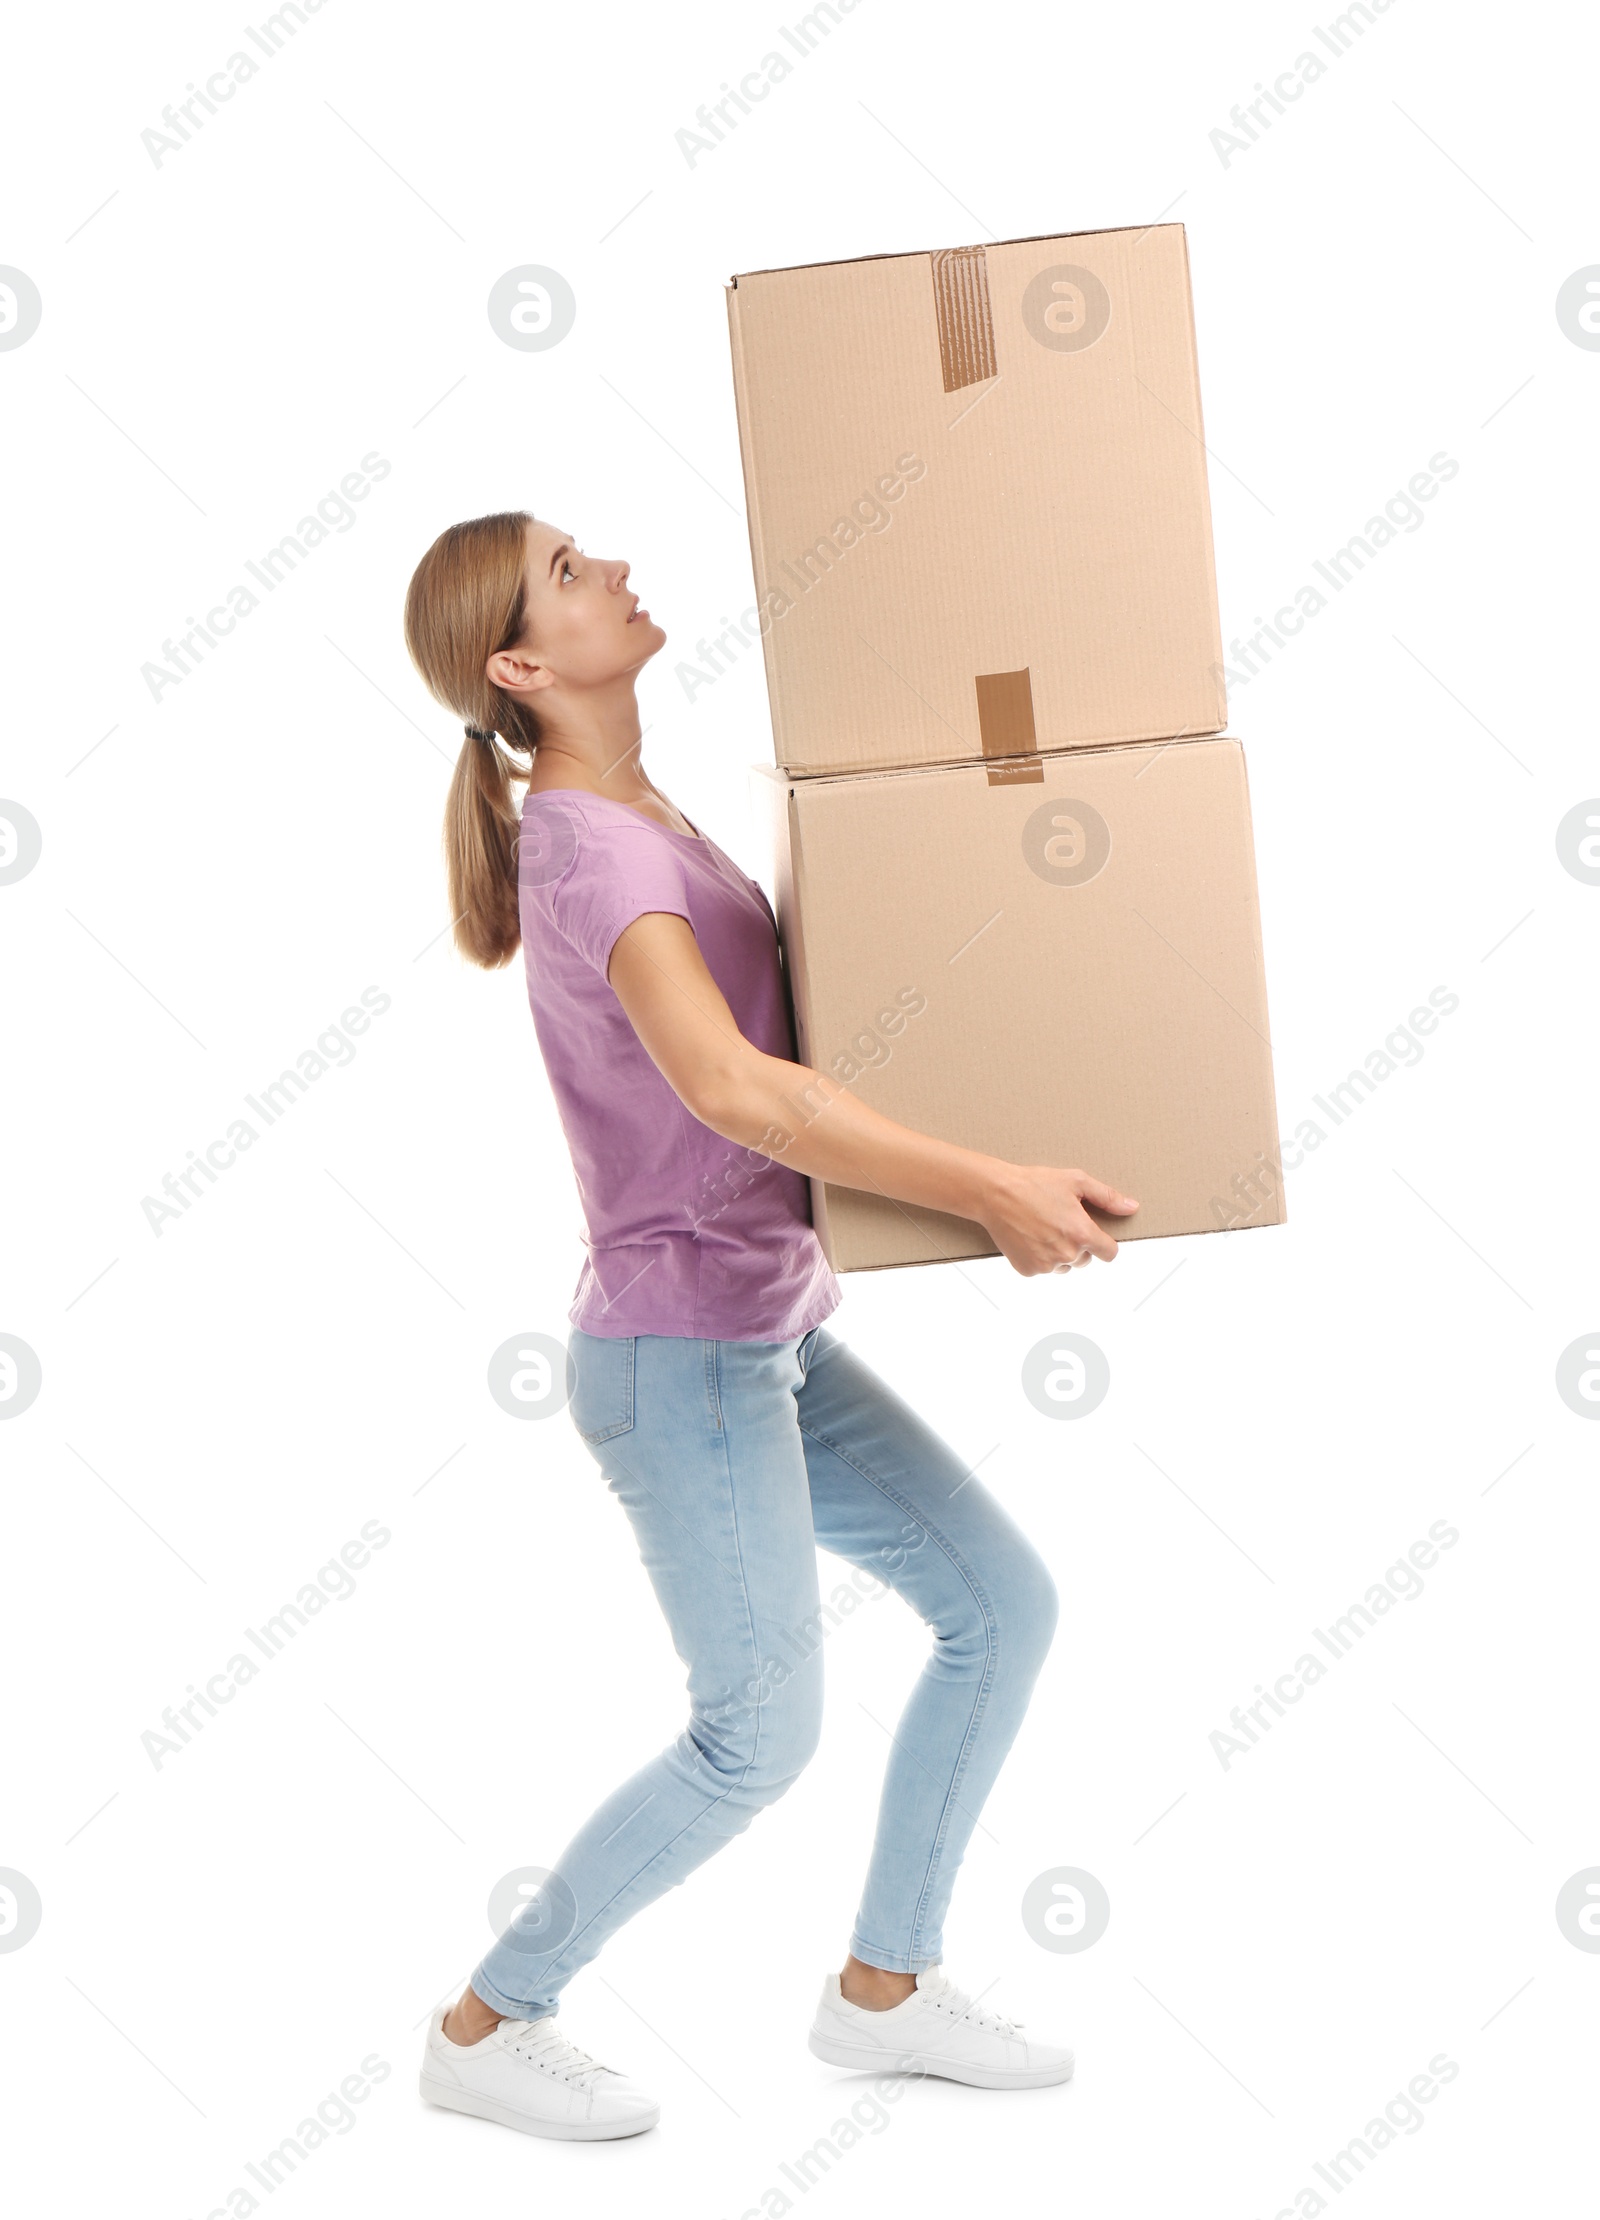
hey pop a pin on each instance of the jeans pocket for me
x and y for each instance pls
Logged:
(602, 1392)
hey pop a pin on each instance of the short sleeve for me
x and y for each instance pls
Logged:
(617, 874)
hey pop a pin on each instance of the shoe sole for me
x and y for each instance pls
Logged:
(870, 2059)
(564, 2131)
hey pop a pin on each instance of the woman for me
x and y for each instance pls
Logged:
(735, 1429)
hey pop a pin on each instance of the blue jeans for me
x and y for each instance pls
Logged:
(734, 1460)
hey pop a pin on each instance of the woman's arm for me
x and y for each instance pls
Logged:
(1034, 1213)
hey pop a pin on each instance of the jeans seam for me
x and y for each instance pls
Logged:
(713, 1350)
(624, 1425)
(980, 1699)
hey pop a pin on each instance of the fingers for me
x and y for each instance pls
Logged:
(1054, 1232)
(1083, 1247)
(1106, 1198)
(1096, 1241)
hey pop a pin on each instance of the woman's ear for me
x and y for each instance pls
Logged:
(516, 671)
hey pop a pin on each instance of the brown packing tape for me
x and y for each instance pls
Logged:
(1019, 772)
(966, 322)
(1005, 721)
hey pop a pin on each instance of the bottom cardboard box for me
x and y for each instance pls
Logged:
(1054, 959)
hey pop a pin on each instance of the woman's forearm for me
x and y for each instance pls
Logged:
(813, 1124)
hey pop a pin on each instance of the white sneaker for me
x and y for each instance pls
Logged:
(935, 2030)
(526, 2075)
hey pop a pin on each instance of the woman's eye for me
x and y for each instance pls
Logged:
(567, 570)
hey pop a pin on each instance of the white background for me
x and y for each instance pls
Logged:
(1292, 1939)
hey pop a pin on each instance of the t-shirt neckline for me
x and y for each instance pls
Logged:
(696, 838)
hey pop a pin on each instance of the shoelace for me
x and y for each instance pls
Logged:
(543, 2045)
(942, 1991)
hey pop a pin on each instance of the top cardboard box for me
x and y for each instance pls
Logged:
(977, 498)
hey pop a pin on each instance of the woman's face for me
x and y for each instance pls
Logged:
(584, 625)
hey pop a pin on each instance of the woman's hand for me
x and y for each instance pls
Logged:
(1037, 1219)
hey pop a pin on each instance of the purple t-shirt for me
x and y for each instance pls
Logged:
(687, 1233)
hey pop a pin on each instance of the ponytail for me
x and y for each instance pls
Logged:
(466, 601)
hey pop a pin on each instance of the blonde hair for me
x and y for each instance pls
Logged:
(467, 600)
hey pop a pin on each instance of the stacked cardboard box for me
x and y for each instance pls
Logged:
(1016, 883)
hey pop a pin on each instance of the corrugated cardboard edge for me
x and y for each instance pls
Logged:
(907, 254)
(1205, 484)
(752, 506)
(1258, 950)
(819, 776)
(785, 826)
(804, 772)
